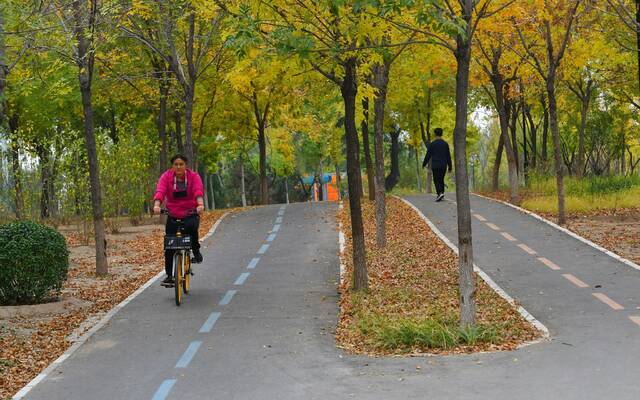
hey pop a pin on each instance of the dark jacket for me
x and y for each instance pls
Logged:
(438, 153)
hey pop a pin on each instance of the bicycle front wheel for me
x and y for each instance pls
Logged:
(178, 273)
(187, 274)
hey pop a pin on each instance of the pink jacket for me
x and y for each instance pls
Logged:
(180, 207)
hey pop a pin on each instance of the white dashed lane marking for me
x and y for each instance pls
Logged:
(549, 263)
(575, 281)
(508, 237)
(527, 249)
(607, 300)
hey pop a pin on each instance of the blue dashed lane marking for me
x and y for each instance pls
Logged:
(253, 263)
(164, 389)
(243, 277)
(227, 297)
(210, 322)
(263, 249)
(271, 237)
(191, 351)
(276, 228)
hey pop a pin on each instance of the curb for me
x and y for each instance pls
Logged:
(521, 310)
(103, 321)
(567, 231)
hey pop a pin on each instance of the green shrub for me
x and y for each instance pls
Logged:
(33, 262)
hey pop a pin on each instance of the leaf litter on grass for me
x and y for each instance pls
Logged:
(412, 304)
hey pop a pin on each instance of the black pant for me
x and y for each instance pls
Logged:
(191, 225)
(438, 179)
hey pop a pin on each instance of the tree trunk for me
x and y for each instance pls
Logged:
(367, 150)
(533, 133)
(349, 90)
(212, 191)
(555, 135)
(243, 192)
(42, 151)
(188, 125)
(545, 131)
(427, 139)
(465, 245)
(381, 79)
(418, 177)
(509, 143)
(84, 20)
(394, 175)
(338, 182)
(513, 127)
(585, 100)
(495, 183)
(16, 170)
(177, 118)
(264, 183)
(162, 125)
(286, 189)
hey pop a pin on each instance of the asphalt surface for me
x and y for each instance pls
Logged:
(264, 329)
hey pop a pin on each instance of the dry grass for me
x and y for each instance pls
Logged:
(412, 304)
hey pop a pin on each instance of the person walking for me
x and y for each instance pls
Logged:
(182, 192)
(440, 156)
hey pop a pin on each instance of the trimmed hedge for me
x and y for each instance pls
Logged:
(34, 261)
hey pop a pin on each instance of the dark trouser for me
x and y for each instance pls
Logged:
(438, 179)
(191, 225)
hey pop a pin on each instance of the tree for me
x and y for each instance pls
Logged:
(555, 22)
(189, 40)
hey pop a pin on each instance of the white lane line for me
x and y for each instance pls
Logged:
(210, 322)
(263, 249)
(549, 263)
(607, 300)
(279, 220)
(575, 281)
(635, 319)
(281, 213)
(480, 218)
(242, 278)
(253, 263)
(283, 207)
(527, 249)
(521, 310)
(227, 297)
(568, 232)
(493, 226)
(188, 355)
(271, 237)
(508, 237)
(164, 389)
(276, 228)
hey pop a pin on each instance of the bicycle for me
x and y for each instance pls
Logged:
(181, 243)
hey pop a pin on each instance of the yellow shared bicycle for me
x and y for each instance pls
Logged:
(181, 244)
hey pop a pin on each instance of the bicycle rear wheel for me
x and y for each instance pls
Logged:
(179, 276)
(186, 282)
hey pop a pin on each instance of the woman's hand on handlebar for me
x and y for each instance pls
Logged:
(200, 209)
(157, 209)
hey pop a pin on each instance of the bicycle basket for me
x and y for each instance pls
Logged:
(172, 242)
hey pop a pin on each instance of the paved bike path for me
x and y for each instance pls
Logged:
(588, 300)
(272, 338)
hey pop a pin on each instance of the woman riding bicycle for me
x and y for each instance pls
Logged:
(182, 192)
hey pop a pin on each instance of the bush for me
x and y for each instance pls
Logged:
(33, 262)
